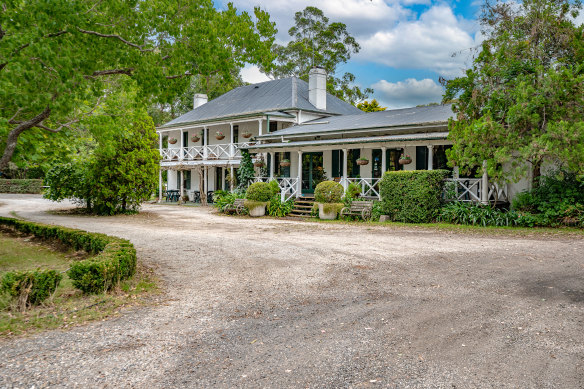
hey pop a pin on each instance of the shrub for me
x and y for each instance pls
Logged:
(328, 192)
(259, 191)
(477, 214)
(353, 191)
(115, 259)
(412, 196)
(280, 208)
(274, 187)
(223, 199)
(21, 186)
(557, 200)
(31, 287)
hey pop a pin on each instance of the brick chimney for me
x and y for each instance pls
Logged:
(317, 87)
(199, 100)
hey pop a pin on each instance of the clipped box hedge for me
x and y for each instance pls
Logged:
(32, 286)
(115, 259)
(21, 186)
(412, 196)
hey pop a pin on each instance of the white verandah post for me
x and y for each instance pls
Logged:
(223, 178)
(231, 146)
(272, 164)
(345, 168)
(430, 157)
(182, 147)
(205, 176)
(383, 160)
(205, 142)
(182, 186)
(231, 178)
(159, 185)
(299, 190)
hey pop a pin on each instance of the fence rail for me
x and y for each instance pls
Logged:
(288, 186)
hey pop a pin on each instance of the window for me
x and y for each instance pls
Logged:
(392, 160)
(337, 171)
(281, 171)
(273, 127)
(376, 163)
(421, 158)
(353, 170)
(440, 161)
(235, 134)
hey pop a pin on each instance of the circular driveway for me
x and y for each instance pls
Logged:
(284, 303)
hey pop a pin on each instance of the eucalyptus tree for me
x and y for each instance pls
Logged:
(318, 42)
(57, 56)
(522, 101)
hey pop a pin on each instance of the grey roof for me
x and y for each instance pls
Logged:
(276, 95)
(437, 114)
(366, 139)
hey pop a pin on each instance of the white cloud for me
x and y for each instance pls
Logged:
(253, 75)
(426, 43)
(407, 93)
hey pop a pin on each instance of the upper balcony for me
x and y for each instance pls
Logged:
(228, 151)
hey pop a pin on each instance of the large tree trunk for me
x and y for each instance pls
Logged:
(536, 174)
(12, 139)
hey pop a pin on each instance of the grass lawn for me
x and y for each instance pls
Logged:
(68, 306)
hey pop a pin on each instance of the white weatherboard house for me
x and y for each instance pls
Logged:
(320, 135)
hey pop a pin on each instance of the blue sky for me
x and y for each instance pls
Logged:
(406, 45)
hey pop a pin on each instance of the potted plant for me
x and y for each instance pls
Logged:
(246, 134)
(259, 162)
(285, 163)
(405, 159)
(172, 140)
(362, 161)
(257, 197)
(328, 195)
(219, 135)
(195, 138)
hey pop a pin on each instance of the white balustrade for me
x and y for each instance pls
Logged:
(288, 186)
(219, 151)
(369, 186)
(463, 189)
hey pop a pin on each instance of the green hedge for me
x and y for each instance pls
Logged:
(412, 196)
(115, 259)
(33, 286)
(20, 186)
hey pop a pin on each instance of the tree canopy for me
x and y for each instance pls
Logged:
(372, 106)
(522, 102)
(318, 42)
(56, 56)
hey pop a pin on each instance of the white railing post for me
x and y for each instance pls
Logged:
(272, 164)
(159, 185)
(383, 160)
(485, 185)
(181, 153)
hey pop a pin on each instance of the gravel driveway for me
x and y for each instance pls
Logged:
(278, 303)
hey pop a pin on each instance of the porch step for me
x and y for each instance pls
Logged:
(302, 206)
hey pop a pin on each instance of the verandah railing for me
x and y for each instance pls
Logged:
(217, 151)
(288, 186)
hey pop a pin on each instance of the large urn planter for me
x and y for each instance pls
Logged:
(405, 160)
(256, 208)
(328, 211)
(362, 161)
(172, 140)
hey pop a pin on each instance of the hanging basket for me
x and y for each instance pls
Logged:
(285, 163)
(405, 160)
(363, 161)
(195, 139)
(219, 136)
(172, 140)
(246, 135)
(258, 164)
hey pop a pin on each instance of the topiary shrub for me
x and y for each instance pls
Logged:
(412, 196)
(274, 187)
(328, 192)
(30, 287)
(259, 191)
